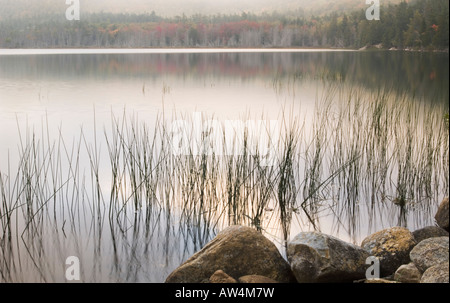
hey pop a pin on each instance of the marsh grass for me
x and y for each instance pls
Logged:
(124, 197)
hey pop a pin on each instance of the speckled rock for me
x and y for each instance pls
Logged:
(429, 232)
(391, 246)
(221, 277)
(442, 214)
(408, 273)
(256, 279)
(316, 257)
(436, 274)
(238, 251)
(430, 252)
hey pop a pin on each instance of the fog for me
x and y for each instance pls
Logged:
(169, 8)
(189, 7)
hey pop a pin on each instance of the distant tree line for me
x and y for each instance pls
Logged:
(421, 24)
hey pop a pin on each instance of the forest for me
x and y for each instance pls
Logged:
(420, 24)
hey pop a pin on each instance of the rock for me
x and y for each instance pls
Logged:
(256, 279)
(391, 246)
(429, 232)
(316, 257)
(442, 214)
(238, 251)
(430, 252)
(408, 273)
(221, 277)
(436, 274)
(379, 281)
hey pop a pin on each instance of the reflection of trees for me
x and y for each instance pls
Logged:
(417, 73)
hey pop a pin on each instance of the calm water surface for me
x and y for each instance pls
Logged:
(61, 100)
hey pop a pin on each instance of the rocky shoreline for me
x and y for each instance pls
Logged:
(240, 254)
(409, 49)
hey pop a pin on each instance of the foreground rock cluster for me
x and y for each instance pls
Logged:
(237, 252)
(242, 255)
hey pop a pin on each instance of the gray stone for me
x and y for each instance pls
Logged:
(430, 252)
(316, 257)
(429, 232)
(238, 251)
(221, 277)
(380, 281)
(442, 214)
(408, 273)
(256, 279)
(391, 246)
(436, 274)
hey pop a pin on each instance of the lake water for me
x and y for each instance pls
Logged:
(77, 127)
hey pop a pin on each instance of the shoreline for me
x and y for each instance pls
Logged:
(50, 51)
(240, 254)
(196, 50)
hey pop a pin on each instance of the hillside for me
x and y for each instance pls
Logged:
(422, 24)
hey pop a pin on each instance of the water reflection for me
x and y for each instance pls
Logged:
(421, 74)
(367, 150)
